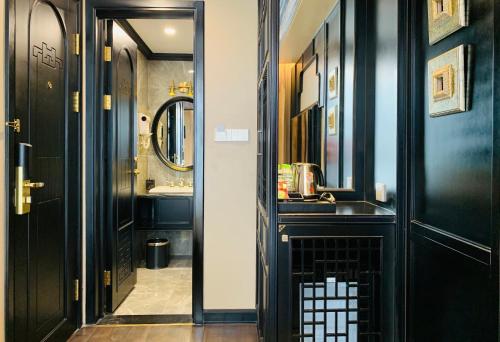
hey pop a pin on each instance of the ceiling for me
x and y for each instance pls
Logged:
(152, 32)
(303, 19)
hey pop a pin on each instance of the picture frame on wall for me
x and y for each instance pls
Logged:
(332, 121)
(447, 82)
(333, 84)
(446, 17)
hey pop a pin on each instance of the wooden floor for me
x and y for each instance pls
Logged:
(177, 333)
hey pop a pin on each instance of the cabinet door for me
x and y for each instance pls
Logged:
(174, 212)
(336, 283)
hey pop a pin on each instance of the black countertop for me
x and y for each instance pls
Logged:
(347, 212)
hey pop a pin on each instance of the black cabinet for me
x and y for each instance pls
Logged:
(164, 212)
(336, 275)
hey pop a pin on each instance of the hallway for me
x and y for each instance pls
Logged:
(184, 333)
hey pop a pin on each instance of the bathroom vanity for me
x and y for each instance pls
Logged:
(164, 211)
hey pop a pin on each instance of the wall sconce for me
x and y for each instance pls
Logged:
(183, 87)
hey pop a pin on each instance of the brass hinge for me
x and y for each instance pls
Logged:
(107, 278)
(106, 102)
(76, 101)
(107, 53)
(76, 44)
(15, 124)
(76, 293)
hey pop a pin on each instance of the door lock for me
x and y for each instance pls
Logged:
(23, 186)
(22, 193)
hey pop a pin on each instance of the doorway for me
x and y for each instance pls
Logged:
(146, 154)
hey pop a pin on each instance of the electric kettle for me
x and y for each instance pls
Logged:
(306, 178)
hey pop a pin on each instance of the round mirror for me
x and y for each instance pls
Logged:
(173, 133)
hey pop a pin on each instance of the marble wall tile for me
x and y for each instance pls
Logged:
(154, 79)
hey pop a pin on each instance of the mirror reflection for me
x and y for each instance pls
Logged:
(316, 88)
(173, 133)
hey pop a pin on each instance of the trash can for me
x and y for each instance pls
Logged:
(157, 253)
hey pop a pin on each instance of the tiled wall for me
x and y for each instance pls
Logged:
(153, 81)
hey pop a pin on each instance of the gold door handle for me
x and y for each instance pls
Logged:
(137, 172)
(36, 185)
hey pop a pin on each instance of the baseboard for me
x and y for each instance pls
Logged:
(230, 316)
(145, 319)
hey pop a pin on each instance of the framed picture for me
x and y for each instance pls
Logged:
(333, 84)
(447, 82)
(446, 17)
(332, 120)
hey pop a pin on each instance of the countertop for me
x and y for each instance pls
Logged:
(167, 194)
(347, 212)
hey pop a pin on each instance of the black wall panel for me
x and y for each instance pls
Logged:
(453, 154)
(449, 296)
(453, 291)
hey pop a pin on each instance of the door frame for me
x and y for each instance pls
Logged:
(9, 68)
(120, 9)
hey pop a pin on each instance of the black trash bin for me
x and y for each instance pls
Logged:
(157, 253)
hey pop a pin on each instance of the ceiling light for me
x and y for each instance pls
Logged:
(191, 71)
(170, 31)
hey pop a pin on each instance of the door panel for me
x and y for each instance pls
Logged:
(43, 244)
(453, 291)
(121, 83)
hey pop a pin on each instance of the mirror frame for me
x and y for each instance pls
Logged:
(154, 136)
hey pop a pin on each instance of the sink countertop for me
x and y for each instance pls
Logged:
(164, 190)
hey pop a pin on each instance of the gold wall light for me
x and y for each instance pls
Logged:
(183, 88)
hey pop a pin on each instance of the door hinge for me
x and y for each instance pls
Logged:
(107, 278)
(76, 44)
(106, 102)
(76, 293)
(76, 101)
(15, 124)
(107, 53)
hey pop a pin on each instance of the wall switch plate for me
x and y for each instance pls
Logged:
(231, 134)
(380, 192)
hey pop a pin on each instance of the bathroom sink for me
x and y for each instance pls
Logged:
(174, 190)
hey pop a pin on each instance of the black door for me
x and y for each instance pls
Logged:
(44, 236)
(121, 130)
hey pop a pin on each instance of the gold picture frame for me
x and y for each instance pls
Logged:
(332, 121)
(447, 82)
(446, 17)
(333, 84)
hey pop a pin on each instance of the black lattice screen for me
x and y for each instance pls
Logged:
(336, 289)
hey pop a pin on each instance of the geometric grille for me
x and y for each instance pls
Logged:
(336, 292)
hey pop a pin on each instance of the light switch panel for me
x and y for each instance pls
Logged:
(231, 134)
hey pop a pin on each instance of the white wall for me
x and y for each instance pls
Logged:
(230, 168)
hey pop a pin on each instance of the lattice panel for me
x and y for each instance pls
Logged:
(336, 289)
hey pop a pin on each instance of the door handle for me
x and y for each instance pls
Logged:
(36, 185)
(22, 191)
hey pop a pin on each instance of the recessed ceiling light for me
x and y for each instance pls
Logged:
(191, 71)
(170, 31)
